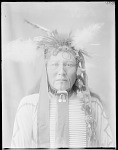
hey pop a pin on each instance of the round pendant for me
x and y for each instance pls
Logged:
(60, 100)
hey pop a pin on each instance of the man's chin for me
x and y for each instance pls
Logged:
(60, 88)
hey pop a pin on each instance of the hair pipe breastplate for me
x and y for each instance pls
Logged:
(62, 125)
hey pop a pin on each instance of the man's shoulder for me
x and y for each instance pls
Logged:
(96, 99)
(98, 105)
(29, 100)
(31, 97)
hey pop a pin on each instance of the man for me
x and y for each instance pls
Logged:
(65, 113)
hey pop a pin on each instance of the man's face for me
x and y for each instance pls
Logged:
(61, 70)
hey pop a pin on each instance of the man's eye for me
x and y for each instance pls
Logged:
(70, 65)
(55, 64)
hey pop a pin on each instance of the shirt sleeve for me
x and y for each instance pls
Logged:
(23, 125)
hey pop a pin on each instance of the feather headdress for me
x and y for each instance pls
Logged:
(75, 42)
(51, 42)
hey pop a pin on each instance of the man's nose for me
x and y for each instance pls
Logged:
(61, 70)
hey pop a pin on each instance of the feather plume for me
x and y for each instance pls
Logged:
(81, 38)
(21, 51)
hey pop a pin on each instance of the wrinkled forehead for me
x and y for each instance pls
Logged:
(62, 57)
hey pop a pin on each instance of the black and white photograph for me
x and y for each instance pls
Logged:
(58, 75)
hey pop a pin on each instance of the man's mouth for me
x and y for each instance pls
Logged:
(61, 80)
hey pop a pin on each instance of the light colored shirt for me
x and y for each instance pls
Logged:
(25, 126)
